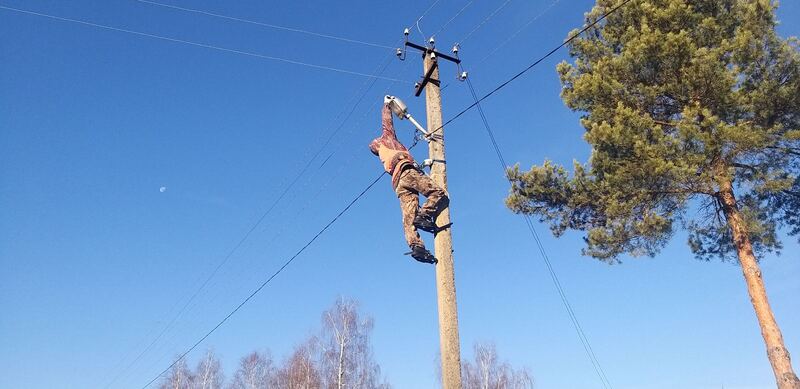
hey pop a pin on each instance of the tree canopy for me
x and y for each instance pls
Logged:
(679, 99)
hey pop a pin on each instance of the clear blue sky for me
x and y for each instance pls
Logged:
(95, 257)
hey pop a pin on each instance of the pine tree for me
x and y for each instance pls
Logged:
(692, 111)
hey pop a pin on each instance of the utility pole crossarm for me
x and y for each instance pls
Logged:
(431, 50)
(434, 64)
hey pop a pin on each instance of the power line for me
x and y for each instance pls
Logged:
(584, 340)
(273, 205)
(275, 26)
(453, 17)
(416, 22)
(579, 330)
(511, 37)
(372, 184)
(207, 46)
(489, 131)
(430, 7)
(330, 180)
(559, 288)
(267, 212)
(531, 66)
(491, 15)
(570, 312)
(271, 277)
(519, 30)
(476, 103)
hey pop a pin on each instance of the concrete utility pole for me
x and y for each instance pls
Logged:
(443, 243)
(450, 348)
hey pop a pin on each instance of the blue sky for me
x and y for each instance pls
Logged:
(96, 257)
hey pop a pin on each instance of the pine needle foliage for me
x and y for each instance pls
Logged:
(680, 99)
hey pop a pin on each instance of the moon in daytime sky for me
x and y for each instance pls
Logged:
(162, 189)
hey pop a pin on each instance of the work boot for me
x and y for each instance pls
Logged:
(421, 254)
(425, 223)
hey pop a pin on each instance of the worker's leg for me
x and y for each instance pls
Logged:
(409, 206)
(436, 197)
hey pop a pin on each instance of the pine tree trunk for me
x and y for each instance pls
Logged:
(776, 350)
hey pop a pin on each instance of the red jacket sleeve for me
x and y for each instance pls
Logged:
(387, 125)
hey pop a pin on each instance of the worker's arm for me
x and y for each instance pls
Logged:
(387, 123)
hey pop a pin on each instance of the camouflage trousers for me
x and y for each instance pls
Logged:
(411, 184)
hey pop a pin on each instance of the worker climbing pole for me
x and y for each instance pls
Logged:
(408, 181)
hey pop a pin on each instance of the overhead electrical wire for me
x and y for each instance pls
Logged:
(293, 182)
(584, 340)
(262, 24)
(419, 19)
(271, 277)
(478, 27)
(361, 194)
(312, 159)
(374, 77)
(425, 13)
(518, 31)
(309, 161)
(581, 335)
(545, 258)
(341, 169)
(453, 17)
(319, 192)
(204, 45)
(511, 37)
(330, 179)
(477, 101)
(531, 66)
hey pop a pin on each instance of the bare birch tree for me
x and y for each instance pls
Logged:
(346, 352)
(487, 372)
(209, 373)
(341, 357)
(301, 368)
(178, 377)
(255, 371)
